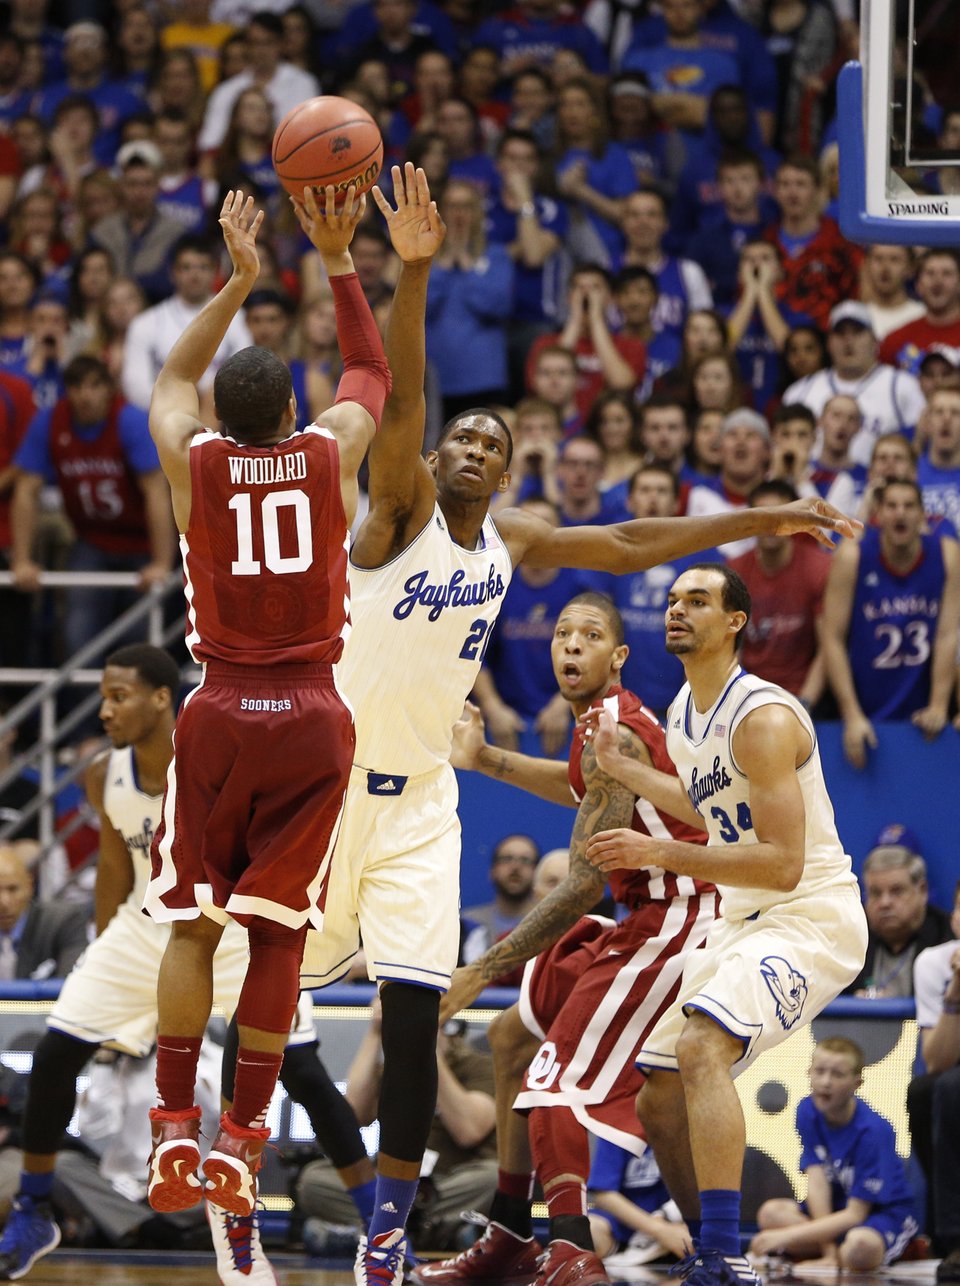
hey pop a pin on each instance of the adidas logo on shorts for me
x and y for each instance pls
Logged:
(389, 784)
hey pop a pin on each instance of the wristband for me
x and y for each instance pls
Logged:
(528, 210)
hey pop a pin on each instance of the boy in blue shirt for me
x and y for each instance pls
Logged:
(859, 1208)
(631, 1214)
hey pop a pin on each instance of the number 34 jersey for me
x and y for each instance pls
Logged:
(421, 626)
(701, 747)
(265, 552)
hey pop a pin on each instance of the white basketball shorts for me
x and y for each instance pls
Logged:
(762, 979)
(110, 997)
(395, 881)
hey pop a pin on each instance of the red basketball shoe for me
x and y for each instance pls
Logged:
(498, 1258)
(231, 1167)
(565, 1264)
(172, 1182)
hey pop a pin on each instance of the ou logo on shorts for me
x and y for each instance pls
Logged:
(544, 1070)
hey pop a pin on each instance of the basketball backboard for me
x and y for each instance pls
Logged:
(898, 130)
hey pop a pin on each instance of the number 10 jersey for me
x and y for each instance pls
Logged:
(421, 627)
(265, 552)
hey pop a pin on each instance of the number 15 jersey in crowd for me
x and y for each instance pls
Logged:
(265, 557)
(421, 627)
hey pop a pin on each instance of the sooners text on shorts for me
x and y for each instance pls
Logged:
(265, 554)
(254, 797)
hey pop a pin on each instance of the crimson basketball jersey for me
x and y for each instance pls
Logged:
(100, 491)
(265, 553)
(651, 884)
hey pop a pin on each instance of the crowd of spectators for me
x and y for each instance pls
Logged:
(643, 273)
(642, 263)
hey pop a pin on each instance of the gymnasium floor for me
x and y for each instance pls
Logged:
(113, 1268)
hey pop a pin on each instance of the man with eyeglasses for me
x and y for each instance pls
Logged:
(579, 471)
(512, 864)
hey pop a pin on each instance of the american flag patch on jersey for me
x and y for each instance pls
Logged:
(720, 730)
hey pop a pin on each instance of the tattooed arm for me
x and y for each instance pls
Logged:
(664, 790)
(544, 777)
(604, 799)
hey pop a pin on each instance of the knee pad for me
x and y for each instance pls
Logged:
(52, 1092)
(308, 1083)
(408, 1094)
(559, 1142)
(411, 1016)
(272, 985)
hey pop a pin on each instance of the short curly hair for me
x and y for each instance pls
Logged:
(251, 391)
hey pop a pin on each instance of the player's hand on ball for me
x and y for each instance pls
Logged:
(330, 230)
(415, 226)
(468, 739)
(241, 223)
(621, 850)
(465, 987)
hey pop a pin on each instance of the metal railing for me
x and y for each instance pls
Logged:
(47, 684)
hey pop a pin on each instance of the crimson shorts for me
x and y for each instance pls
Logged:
(593, 997)
(254, 797)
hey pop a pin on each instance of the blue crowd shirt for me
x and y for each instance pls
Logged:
(724, 31)
(34, 455)
(683, 71)
(716, 248)
(613, 176)
(516, 36)
(859, 1159)
(893, 624)
(114, 104)
(538, 293)
(185, 203)
(941, 489)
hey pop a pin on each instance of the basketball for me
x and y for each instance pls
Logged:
(327, 140)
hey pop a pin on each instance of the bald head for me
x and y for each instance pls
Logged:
(551, 870)
(16, 887)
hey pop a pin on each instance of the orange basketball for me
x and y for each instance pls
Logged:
(327, 140)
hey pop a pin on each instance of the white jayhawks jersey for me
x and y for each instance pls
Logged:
(421, 625)
(701, 748)
(135, 815)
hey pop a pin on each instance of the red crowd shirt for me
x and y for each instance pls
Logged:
(906, 346)
(16, 411)
(825, 272)
(590, 381)
(781, 638)
(101, 494)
